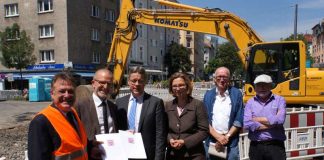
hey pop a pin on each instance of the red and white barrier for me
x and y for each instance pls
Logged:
(304, 129)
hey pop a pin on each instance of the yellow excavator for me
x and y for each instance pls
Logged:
(284, 61)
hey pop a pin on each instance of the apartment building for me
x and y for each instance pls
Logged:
(65, 33)
(210, 48)
(195, 42)
(318, 44)
(149, 48)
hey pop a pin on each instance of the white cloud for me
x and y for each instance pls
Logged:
(312, 4)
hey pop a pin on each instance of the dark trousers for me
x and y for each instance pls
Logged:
(267, 150)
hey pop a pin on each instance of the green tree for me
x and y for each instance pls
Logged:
(226, 55)
(177, 58)
(301, 37)
(17, 49)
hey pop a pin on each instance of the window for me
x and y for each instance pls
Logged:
(188, 43)
(45, 6)
(95, 57)
(46, 31)
(94, 11)
(11, 10)
(95, 34)
(141, 53)
(111, 16)
(47, 56)
(156, 59)
(109, 36)
(153, 42)
(151, 58)
(161, 35)
(140, 31)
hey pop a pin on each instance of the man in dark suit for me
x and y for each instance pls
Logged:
(97, 113)
(143, 113)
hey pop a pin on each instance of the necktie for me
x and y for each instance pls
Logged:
(105, 116)
(132, 113)
(70, 118)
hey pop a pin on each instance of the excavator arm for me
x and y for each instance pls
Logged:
(184, 17)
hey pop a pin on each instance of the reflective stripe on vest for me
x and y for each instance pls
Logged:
(73, 144)
(72, 155)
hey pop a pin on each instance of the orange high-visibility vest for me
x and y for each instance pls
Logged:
(73, 146)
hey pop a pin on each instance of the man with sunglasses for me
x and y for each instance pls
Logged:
(96, 111)
(224, 105)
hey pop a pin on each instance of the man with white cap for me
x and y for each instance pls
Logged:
(264, 116)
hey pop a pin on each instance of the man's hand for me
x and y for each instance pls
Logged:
(223, 140)
(173, 143)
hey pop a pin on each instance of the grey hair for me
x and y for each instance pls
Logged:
(139, 70)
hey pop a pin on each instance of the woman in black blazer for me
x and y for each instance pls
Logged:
(187, 119)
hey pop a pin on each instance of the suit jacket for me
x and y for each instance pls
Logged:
(191, 126)
(152, 124)
(86, 110)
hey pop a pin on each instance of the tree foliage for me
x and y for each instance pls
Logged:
(177, 58)
(16, 48)
(301, 37)
(226, 56)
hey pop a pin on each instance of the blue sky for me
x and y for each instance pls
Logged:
(271, 19)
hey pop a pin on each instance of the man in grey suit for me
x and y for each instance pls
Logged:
(143, 113)
(97, 113)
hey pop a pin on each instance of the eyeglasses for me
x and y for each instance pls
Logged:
(108, 83)
(180, 86)
(139, 81)
(222, 77)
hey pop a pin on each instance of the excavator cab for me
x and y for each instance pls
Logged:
(281, 61)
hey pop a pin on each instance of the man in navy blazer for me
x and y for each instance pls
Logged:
(143, 113)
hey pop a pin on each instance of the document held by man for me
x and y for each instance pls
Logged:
(122, 145)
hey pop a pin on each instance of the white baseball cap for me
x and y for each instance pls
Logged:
(263, 78)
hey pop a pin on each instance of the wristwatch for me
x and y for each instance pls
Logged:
(228, 135)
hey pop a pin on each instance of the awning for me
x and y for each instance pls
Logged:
(30, 75)
(48, 74)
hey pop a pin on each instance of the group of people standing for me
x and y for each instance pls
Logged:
(180, 129)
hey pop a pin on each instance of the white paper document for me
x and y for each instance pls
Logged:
(122, 145)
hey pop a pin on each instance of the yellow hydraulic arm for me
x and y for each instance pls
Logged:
(184, 17)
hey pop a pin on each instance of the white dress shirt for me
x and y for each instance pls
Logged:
(221, 112)
(99, 110)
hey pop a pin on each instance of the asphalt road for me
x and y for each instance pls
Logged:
(13, 113)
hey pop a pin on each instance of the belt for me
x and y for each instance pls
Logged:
(270, 142)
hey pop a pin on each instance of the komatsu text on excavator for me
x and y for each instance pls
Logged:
(285, 61)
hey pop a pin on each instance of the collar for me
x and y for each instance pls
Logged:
(256, 98)
(64, 113)
(226, 93)
(97, 101)
(138, 99)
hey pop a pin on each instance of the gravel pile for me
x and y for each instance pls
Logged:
(13, 142)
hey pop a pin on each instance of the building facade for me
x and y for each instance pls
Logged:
(149, 48)
(65, 33)
(318, 44)
(195, 42)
